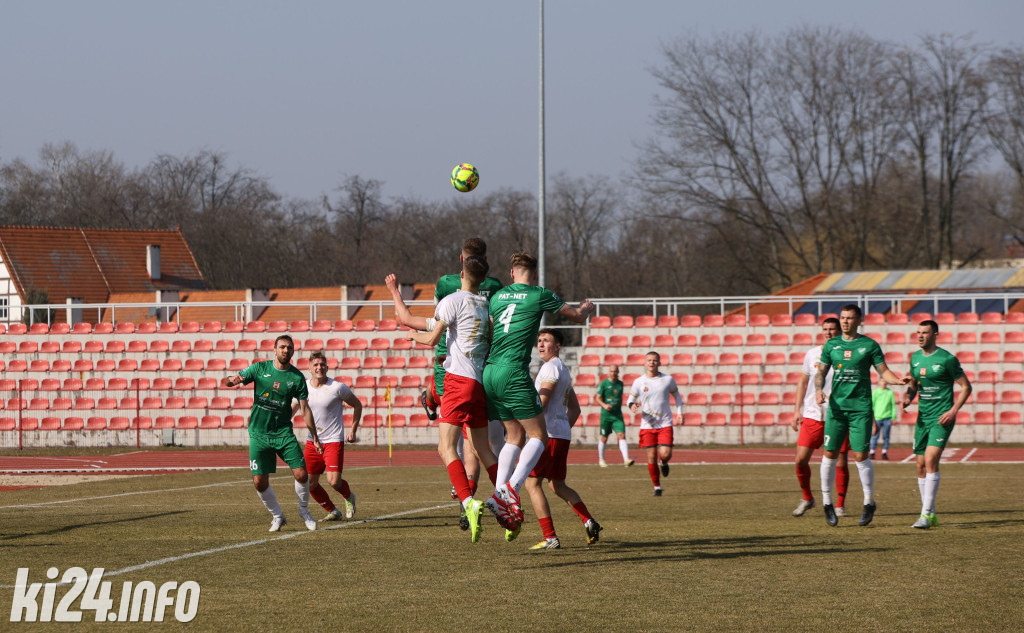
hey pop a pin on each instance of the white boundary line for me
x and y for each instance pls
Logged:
(227, 548)
(968, 455)
(124, 494)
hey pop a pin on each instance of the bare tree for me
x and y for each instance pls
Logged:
(582, 221)
(944, 96)
(787, 137)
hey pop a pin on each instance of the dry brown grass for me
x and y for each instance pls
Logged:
(718, 552)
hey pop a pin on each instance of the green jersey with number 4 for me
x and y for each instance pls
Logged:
(851, 362)
(935, 374)
(517, 310)
(449, 284)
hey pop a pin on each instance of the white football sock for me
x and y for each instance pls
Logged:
(920, 487)
(532, 453)
(459, 448)
(931, 488)
(600, 450)
(302, 492)
(867, 480)
(496, 436)
(624, 449)
(507, 462)
(269, 499)
(828, 478)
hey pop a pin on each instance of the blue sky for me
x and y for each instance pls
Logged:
(400, 91)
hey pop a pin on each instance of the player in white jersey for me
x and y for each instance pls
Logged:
(809, 420)
(561, 411)
(650, 396)
(465, 317)
(326, 396)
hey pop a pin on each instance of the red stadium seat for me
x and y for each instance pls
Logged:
(618, 340)
(779, 338)
(710, 340)
(804, 320)
(715, 418)
(668, 320)
(646, 320)
(181, 346)
(622, 321)
(732, 340)
(95, 424)
(255, 326)
(714, 320)
(690, 320)
(634, 360)
(365, 325)
(168, 327)
(696, 399)
(600, 322)
(700, 379)
(189, 327)
(686, 340)
(164, 422)
(682, 359)
(187, 422)
(664, 340)
(297, 326)
(211, 327)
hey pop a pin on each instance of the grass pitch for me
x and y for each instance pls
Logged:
(719, 551)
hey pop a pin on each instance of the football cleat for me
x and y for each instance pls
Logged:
(463, 521)
(511, 535)
(840, 512)
(657, 491)
(602, 464)
(505, 519)
(921, 523)
(868, 514)
(664, 469)
(308, 519)
(510, 499)
(277, 522)
(593, 531)
(830, 515)
(474, 509)
(333, 515)
(350, 506)
(431, 413)
(803, 506)
(548, 543)
(630, 462)
(933, 520)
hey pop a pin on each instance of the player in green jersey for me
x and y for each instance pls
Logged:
(933, 372)
(277, 383)
(609, 398)
(850, 357)
(516, 312)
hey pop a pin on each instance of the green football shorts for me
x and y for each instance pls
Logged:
(264, 449)
(857, 423)
(611, 422)
(928, 432)
(510, 393)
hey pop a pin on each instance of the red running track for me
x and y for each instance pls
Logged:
(163, 462)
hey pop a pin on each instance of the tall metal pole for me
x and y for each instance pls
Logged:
(541, 266)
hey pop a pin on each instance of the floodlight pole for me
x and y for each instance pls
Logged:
(541, 276)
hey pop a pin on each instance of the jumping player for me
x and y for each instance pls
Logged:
(516, 312)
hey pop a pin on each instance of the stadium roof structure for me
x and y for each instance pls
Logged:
(91, 265)
(958, 290)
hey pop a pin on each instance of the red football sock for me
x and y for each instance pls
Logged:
(320, 496)
(655, 474)
(457, 475)
(472, 487)
(842, 479)
(492, 473)
(547, 527)
(344, 489)
(803, 475)
(581, 511)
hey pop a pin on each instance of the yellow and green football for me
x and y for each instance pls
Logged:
(465, 177)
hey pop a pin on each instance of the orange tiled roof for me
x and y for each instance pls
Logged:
(203, 314)
(94, 263)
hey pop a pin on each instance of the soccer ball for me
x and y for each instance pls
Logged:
(465, 177)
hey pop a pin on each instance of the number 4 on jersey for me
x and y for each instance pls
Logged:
(506, 316)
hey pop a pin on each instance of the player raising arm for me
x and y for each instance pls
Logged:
(516, 312)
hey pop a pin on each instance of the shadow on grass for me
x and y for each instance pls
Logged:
(68, 528)
(714, 549)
